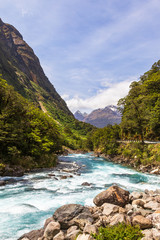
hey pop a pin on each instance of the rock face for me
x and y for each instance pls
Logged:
(100, 117)
(21, 68)
(74, 221)
(114, 195)
(72, 214)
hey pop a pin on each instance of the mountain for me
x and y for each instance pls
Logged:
(101, 117)
(21, 68)
(80, 116)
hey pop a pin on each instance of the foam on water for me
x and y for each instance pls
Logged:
(26, 204)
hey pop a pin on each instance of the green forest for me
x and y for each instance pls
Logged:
(31, 138)
(140, 111)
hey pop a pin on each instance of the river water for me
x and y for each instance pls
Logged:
(26, 204)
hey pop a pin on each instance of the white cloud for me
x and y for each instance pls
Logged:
(110, 95)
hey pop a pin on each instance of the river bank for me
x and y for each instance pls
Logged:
(112, 206)
(35, 196)
(15, 174)
(131, 163)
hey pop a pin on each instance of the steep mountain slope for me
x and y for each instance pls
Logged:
(21, 68)
(101, 117)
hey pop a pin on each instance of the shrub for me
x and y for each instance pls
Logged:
(120, 231)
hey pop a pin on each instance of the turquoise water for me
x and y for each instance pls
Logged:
(25, 205)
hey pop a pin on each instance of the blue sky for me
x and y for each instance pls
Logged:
(91, 50)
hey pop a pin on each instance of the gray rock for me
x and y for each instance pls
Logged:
(135, 195)
(82, 219)
(155, 218)
(72, 229)
(73, 235)
(152, 205)
(147, 234)
(114, 195)
(33, 235)
(51, 230)
(156, 233)
(109, 208)
(68, 215)
(84, 237)
(59, 236)
(117, 218)
(90, 229)
(48, 220)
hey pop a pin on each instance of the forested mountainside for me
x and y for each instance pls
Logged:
(101, 117)
(21, 68)
(28, 137)
(140, 111)
(141, 107)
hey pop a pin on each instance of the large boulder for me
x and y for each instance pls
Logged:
(114, 195)
(143, 222)
(73, 214)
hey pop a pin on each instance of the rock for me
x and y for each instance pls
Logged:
(82, 219)
(25, 238)
(157, 198)
(51, 230)
(138, 202)
(2, 183)
(73, 235)
(145, 212)
(48, 220)
(114, 195)
(152, 205)
(84, 237)
(155, 218)
(128, 207)
(109, 208)
(65, 214)
(156, 233)
(117, 218)
(90, 229)
(86, 184)
(142, 222)
(148, 235)
(155, 171)
(63, 177)
(72, 229)
(59, 236)
(33, 235)
(135, 195)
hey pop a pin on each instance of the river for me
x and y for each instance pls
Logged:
(26, 204)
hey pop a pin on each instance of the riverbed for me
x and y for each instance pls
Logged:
(25, 204)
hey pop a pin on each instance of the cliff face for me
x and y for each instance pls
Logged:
(21, 68)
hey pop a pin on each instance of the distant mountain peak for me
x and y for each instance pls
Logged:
(100, 117)
(79, 115)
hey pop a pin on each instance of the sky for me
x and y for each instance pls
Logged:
(91, 50)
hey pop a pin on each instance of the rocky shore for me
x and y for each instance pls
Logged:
(114, 205)
(149, 168)
(14, 175)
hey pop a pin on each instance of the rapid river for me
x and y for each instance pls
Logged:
(25, 204)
